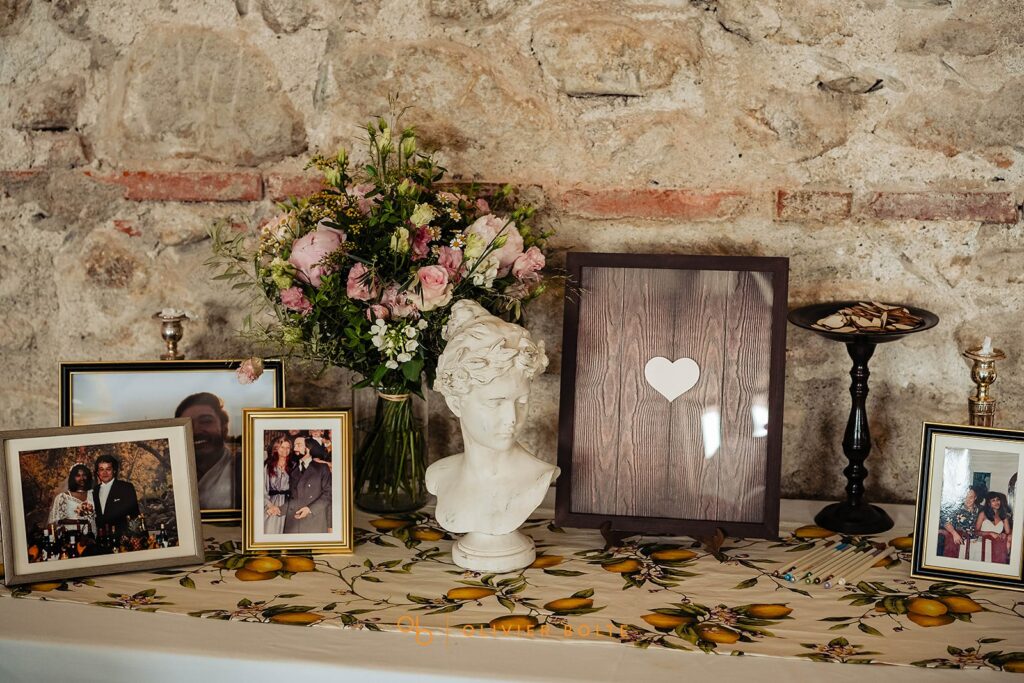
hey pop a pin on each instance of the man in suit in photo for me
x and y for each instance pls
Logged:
(115, 500)
(319, 445)
(309, 502)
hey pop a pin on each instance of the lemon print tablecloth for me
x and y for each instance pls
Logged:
(649, 592)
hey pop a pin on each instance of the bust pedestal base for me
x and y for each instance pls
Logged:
(494, 553)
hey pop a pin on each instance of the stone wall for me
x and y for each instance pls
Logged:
(876, 143)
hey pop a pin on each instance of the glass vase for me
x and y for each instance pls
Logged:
(391, 462)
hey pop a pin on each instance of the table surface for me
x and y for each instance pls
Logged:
(390, 612)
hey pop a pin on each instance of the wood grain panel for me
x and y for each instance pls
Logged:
(748, 326)
(699, 301)
(646, 416)
(595, 456)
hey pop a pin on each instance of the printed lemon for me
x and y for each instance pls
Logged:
(387, 524)
(470, 593)
(961, 605)
(296, 618)
(1014, 666)
(666, 621)
(566, 604)
(545, 561)
(673, 555)
(926, 607)
(244, 574)
(927, 620)
(902, 543)
(45, 587)
(769, 611)
(626, 566)
(811, 531)
(298, 563)
(263, 564)
(422, 533)
(884, 562)
(717, 634)
(513, 622)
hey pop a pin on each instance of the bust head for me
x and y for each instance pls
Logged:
(485, 373)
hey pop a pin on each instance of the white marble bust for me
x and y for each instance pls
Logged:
(490, 489)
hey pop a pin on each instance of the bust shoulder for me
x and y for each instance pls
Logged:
(441, 470)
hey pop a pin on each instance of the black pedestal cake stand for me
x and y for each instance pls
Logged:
(854, 515)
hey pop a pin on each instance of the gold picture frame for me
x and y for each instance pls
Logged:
(146, 517)
(290, 456)
(965, 529)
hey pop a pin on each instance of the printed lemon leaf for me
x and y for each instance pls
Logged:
(672, 645)
(991, 640)
(445, 610)
(749, 583)
(419, 599)
(187, 582)
(506, 603)
(870, 630)
(584, 593)
(563, 572)
(837, 619)
(288, 595)
(838, 627)
(371, 579)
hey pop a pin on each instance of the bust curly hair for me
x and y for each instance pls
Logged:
(482, 347)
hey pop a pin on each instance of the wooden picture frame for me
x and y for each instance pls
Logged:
(642, 452)
(98, 392)
(967, 475)
(145, 517)
(273, 520)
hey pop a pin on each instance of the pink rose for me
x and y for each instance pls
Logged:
(377, 312)
(435, 290)
(295, 300)
(450, 259)
(421, 244)
(482, 206)
(310, 250)
(490, 227)
(359, 192)
(362, 286)
(249, 371)
(529, 262)
(400, 303)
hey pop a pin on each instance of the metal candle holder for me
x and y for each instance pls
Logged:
(171, 331)
(981, 406)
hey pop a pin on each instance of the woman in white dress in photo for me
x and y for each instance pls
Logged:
(275, 485)
(74, 509)
(994, 529)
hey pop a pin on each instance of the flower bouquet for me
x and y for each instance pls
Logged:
(363, 274)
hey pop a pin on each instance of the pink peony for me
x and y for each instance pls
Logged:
(249, 371)
(488, 228)
(359, 192)
(295, 300)
(377, 312)
(362, 286)
(400, 303)
(450, 259)
(310, 250)
(531, 261)
(421, 244)
(435, 290)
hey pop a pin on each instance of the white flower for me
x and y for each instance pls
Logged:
(422, 214)
(474, 246)
(391, 365)
(485, 271)
(404, 357)
(400, 241)
(412, 345)
(377, 341)
(421, 325)
(410, 332)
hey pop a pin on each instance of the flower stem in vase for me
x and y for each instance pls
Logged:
(391, 463)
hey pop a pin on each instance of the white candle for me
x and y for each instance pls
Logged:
(986, 346)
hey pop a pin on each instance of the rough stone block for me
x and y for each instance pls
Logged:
(470, 9)
(50, 105)
(801, 125)
(987, 207)
(956, 37)
(814, 206)
(286, 16)
(600, 54)
(12, 12)
(691, 205)
(192, 92)
(187, 186)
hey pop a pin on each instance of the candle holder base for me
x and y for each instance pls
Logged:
(854, 519)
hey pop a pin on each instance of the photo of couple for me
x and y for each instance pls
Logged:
(297, 469)
(976, 521)
(95, 508)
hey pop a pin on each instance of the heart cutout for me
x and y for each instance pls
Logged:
(671, 379)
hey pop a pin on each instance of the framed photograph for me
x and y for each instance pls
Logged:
(965, 528)
(81, 501)
(297, 472)
(208, 392)
(672, 393)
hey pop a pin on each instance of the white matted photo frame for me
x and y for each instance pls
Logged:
(84, 501)
(966, 529)
(297, 481)
(670, 419)
(208, 391)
